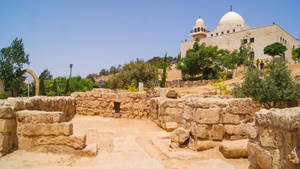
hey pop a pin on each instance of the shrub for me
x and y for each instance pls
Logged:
(4, 95)
(220, 86)
(270, 86)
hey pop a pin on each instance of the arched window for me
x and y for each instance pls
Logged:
(199, 29)
(195, 30)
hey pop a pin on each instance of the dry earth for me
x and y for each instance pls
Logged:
(123, 144)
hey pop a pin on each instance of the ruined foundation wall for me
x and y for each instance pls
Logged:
(275, 140)
(38, 119)
(113, 103)
(206, 118)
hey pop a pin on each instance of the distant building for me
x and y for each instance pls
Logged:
(232, 30)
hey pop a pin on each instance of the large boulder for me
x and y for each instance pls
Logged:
(234, 149)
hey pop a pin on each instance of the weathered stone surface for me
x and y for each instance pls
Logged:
(230, 118)
(234, 149)
(76, 142)
(207, 116)
(170, 126)
(90, 150)
(205, 145)
(217, 132)
(35, 116)
(180, 135)
(251, 130)
(8, 125)
(172, 94)
(55, 129)
(200, 131)
(259, 157)
(238, 130)
(6, 112)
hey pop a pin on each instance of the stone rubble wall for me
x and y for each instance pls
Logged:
(26, 122)
(8, 140)
(102, 102)
(274, 141)
(206, 118)
(37, 129)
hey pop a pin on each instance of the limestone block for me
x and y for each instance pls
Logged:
(251, 130)
(238, 130)
(8, 125)
(234, 149)
(76, 142)
(175, 114)
(217, 132)
(200, 131)
(35, 116)
(40, 129)
(16, 103)
(230, 118)
(170, 126)
(205, 145)
(6, 112)
(259, 157)
(4, 146)
(180, 135)
(207, 116)
(187, 113)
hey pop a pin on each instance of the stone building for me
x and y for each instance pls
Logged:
(232, 31)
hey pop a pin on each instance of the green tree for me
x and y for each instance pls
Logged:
(54, 88)
(275, 49)
(12, 60)
(165, 65)
(44, 76)
(135, 71)
(296, 54)
(271, 86)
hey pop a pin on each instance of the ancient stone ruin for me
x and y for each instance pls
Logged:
(195, 122)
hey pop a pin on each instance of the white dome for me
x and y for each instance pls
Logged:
(199, 22)
(232, 18)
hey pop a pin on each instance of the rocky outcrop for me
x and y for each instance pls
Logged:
(179, 137)
(276, 142)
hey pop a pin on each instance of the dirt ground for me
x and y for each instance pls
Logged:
(123, 144)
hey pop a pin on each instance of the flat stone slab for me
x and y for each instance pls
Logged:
(36, 116)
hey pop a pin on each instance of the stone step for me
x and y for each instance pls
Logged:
(37, 116)
(77, 142)
(41, 129)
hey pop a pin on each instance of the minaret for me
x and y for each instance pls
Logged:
(199, 30)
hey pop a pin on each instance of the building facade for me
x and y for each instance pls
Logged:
(232, 31)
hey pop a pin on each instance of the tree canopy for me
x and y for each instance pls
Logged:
(134, 72)
(208, 61)
(275, 49)
(12, 61)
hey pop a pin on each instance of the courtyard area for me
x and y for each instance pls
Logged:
(123, 144)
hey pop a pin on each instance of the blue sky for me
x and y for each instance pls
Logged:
(95, 34)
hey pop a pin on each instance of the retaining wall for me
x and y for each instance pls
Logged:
(274, 142)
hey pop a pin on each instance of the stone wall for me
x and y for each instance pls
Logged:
(275, 140)
(113, 103)
(206, 118)
(59, 103)
(8, 140)
(38, 123)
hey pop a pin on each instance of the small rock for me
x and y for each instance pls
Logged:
(172, 94)
(180, 136)
(170, 126)
(205, 145)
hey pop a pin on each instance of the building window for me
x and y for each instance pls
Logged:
(280, 39)
(212, 35)
(245, 41)
(233, 30)
(251, 40)
(227, 31)
(217, 34)
(222, 33)
(198, 29)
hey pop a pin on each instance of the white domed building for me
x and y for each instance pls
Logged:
(232, 30)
